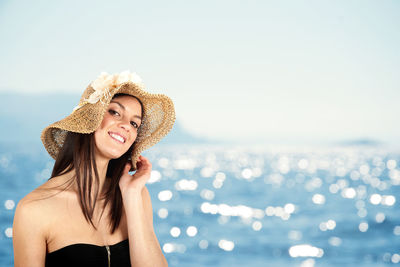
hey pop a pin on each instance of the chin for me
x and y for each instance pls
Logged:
(116, 155)
(111, 154)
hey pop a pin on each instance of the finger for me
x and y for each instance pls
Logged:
(142, 158)
(144, 166)
(145, 161)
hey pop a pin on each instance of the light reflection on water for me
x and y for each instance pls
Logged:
(221, 206)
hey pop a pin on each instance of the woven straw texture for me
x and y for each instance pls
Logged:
(158, 119)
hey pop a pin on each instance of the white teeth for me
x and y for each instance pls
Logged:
(119, 138)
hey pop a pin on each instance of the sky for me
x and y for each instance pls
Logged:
(256, 70)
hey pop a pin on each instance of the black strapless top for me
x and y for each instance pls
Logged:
(89, 255)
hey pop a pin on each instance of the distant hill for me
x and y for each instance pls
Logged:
(24, 116)
(361, 142)
(179, 135)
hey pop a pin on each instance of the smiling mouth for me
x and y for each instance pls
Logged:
(117, 137)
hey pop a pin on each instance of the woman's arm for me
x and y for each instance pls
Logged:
(143, 244)
(29, 240)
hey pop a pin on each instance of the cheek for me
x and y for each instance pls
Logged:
(134, 136)
(98, 135)
(100, 131)
(106, 122)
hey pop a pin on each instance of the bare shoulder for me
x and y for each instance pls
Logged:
(30, 207)
(28, 215)
(33, 215)
(38, 204)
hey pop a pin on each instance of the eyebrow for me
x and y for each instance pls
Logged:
(122, 106)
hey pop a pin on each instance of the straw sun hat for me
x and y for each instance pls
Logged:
(158, 113)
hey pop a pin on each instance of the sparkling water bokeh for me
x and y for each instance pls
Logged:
(250, 206)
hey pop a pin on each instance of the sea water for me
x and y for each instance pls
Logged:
(251, 206)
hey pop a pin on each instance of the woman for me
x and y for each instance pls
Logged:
(92, 211)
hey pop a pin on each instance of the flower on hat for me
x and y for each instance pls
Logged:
(127, 76)
(105, 82)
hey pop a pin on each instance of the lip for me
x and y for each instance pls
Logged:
(123, 137)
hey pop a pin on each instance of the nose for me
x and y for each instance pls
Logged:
(125, 124)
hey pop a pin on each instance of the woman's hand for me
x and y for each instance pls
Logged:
(132, 184)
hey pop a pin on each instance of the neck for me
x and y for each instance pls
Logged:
(102, 165)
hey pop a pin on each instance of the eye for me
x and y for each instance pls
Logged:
(113, 112)
(135, 125)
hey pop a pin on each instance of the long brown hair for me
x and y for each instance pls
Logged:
(77, 154)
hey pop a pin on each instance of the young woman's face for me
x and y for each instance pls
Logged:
(119, 127)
